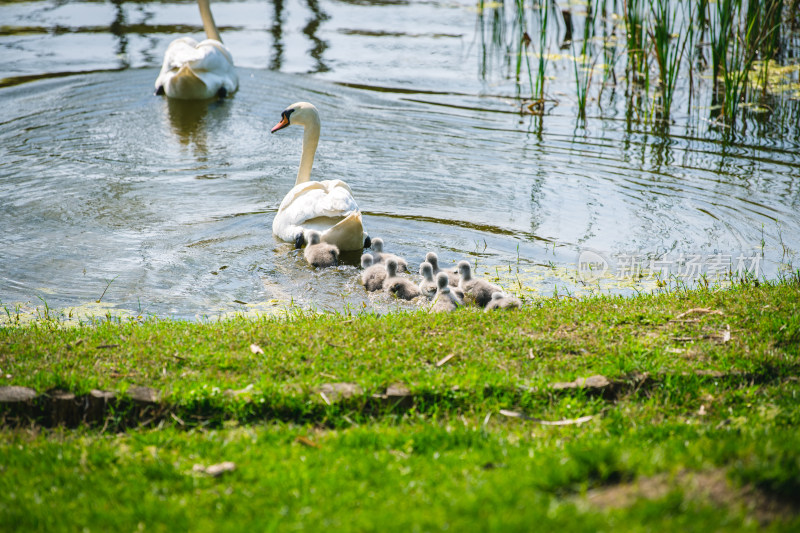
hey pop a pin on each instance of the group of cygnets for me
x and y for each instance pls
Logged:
(448, 288)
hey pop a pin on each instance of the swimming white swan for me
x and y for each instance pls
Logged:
(325, 206)
(198, 71)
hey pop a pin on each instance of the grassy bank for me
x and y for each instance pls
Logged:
(694, 426)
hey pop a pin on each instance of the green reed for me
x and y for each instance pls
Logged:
(766, 35)
(523, 46)
(695, 31)
(635, 15)
(583, 63)
(497, 38)
(610, 52)
(543, 12)
(668, 45)
(668, 39)
(720, 16)
(738, 37)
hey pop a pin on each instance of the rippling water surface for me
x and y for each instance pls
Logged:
(110, 193)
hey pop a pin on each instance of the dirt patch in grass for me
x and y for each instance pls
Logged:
(710, 487)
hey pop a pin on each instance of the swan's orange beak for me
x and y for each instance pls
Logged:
(280, 125)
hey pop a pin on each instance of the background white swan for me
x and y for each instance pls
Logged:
(197, 71)
(325, 206)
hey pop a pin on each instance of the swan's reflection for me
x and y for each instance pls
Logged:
(192, 120)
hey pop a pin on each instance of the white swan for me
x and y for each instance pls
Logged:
(198, 71)
(325, 206)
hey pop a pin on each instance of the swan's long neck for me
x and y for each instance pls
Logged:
(310, 141)
(208, 20)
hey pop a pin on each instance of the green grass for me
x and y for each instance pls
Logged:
(708, 442)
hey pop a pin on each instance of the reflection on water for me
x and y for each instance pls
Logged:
(311, 29)
(116, 29)
(277, 35)
(191, 121)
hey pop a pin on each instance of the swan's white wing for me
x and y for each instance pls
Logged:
(179, 52)
(317, 199)
(330, 199)
(197, 70)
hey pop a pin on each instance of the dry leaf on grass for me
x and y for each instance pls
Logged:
(325, 398)
(215, 470)
(566, 422)
(445, 359)
(700, 311)
(306, 442)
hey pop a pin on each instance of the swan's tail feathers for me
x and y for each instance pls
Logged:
(187, 85)
(348, 233)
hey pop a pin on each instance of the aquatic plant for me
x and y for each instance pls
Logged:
(738, 37)
(497, 37)
(695, 30)
(720, 20)
(583, 63)
(523, 44)
(635, 15)
(542, 11)
(610, 51)
(664, 39)
(668, 46)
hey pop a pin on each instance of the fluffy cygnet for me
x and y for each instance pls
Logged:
(379, 256)
(503, 301)
(427, 286)
(452, 273)
(445, 300)
(400, 287)
(320, 254)
(476, 289)
(373, 276)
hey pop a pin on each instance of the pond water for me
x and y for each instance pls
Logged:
(112, 198)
